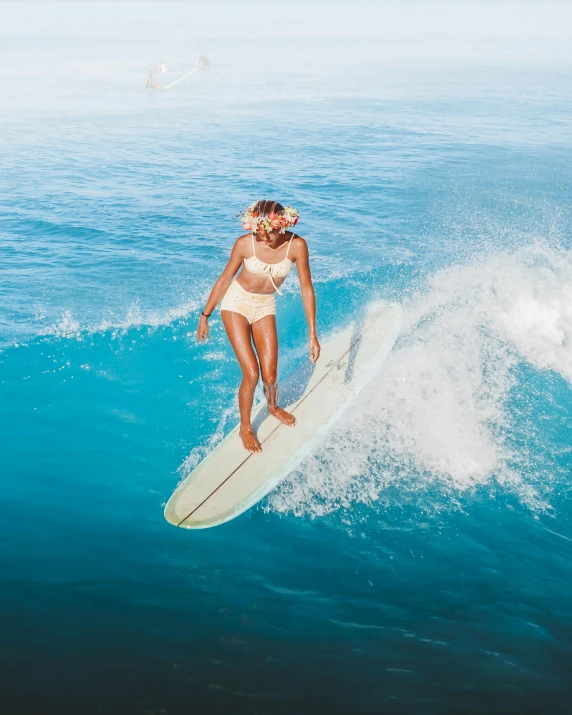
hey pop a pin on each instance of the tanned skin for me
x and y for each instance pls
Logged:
(271, 247)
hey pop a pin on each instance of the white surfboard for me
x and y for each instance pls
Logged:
(230, 480)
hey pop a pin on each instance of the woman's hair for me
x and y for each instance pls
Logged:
(265, 207)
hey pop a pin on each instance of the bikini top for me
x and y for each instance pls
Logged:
(272, 270)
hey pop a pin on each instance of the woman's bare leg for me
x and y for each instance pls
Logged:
(266, 342)
(239, 333)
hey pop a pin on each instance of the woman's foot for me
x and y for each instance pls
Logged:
(284, 417)
(251, 444)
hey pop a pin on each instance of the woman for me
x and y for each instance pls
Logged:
(248, 307)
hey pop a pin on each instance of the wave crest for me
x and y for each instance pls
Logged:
(437, 413)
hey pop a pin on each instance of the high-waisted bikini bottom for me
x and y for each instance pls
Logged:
(253, 306)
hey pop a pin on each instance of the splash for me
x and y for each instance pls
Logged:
(438, 413)
(135, 317)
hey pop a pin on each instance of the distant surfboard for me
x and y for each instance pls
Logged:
(230, 480)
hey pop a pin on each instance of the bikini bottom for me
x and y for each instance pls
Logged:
(254, 306)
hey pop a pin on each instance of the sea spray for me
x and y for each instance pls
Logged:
(437, 412)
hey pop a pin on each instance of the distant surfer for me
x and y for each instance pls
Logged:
(266, 255)
(150, 82)
(202, 62)
(162, 67)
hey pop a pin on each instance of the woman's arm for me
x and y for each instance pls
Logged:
(220, 288)
(308, 297)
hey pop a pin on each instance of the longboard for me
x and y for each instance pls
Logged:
(230, 480)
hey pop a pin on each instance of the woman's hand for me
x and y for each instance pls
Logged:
(203, 330)
(314, 348)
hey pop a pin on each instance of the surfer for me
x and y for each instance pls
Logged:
(248, 309)
(202, 62)
(150, 82)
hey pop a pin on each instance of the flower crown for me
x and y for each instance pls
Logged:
(276, 220)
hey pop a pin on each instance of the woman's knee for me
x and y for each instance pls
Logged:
(269, 376)
(250, 373)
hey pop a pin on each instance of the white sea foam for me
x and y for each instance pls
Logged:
(135, 316)
(67, 325)
(438, 412)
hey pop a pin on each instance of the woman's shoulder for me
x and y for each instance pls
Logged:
(241, 247)
(243, 241)
(299, 245)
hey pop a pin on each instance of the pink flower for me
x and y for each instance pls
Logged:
(247, 226)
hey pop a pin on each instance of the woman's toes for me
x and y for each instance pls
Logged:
(285, 417)
(249, 441)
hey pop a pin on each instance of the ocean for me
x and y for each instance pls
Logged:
(419, 560)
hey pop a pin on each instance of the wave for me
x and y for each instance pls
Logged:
(135, 317)
(439, 414)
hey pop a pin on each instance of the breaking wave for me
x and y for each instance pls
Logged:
(440, 412)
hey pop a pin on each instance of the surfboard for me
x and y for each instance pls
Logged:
(230, 480)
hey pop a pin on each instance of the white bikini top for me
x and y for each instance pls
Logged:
(272, 270)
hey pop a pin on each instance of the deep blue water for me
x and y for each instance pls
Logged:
(420, 559)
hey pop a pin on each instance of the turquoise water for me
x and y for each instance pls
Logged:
(420, 559)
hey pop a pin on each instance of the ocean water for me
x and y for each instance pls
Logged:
(420, 559)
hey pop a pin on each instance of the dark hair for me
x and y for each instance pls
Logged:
(265, 207)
